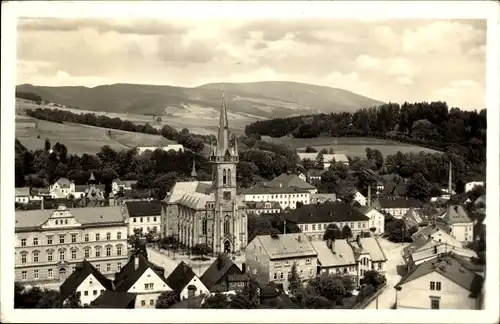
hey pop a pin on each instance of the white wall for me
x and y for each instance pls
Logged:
(22, 199)
(284, 199)
(416, 294)
(463, 232)
(470, 185)
(360, 198)
(143, 294)
(147, 221)
(396, 212)
(200, 288)
(377, 220)
(92, 287)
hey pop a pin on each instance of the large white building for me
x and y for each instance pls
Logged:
(460, 225)
(287, 197)
(377, 219)
(471, 185)
(397, 207)
(327, 158)
(143, 215)
(50, 243)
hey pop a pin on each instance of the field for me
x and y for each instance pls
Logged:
(81, 139)
(351, 146)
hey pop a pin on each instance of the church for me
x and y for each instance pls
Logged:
(210, 212)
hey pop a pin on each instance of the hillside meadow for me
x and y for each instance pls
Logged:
(79, 138)
(351, 146)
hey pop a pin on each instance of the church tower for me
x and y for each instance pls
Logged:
(224, 158)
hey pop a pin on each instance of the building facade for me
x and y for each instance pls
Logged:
(287, 197)
(377, 219)
(50, 244)
(143, 215)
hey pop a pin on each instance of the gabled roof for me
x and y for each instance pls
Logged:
(289, 180)
(343, 256)
(217, 270)
(325, 213)
(114, 299)
(413, 217)
(372, 246)
(438, 232)
(144, 208)
(275, 190)
(447, 266)
(128, 275)
(180, 277)
(396, 202)
(22, 192)
(79, 275)
(456, 214)
(183, 187)
(63, 182)
(195, 200)
(286, 245)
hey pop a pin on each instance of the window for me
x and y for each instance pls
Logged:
(143, 303)
(50, 273)
(282, 275)
(108, 250)
(119, 235)
(438, 285)
(87, 238)
(24, 274)
(433, 285)
(35, 241)
(308, 261)
(102, 291)
(152, 302)
(49, 240)
(108, 267)
(85, 293)
(35, 256)
(49, 256)
(434, 303)
(97, 236)
(224, 176)
(204, 226)
(154, 220)
(73, 238)
(98, 267)
(301, 273)
(306, 227)
(98, 252)
(23, 257)
(73, 254)
(311, 273)
(119, 266)
(87, 253)
(148, 286)
(108, 236)
(94, 292)
(313, 227)
(61, 239)
(23, 242)
(275, 276)
(61, 255)
(119, 250)
(36, 274)
(287, 263)
(227, 225)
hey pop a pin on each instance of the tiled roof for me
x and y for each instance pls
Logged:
(180, 277)
(372, 246)
(114, 299)
(22, 192)
(128, 275)
(434, 247)
(343, 256)
(438, 232)
(217, 270)
(144, 208)
(390, 203)
(262, 204)
(286, 245)
(450, 268)
(325, 213)
(364, 209)
(289, 180)
(274, 190)
(456, 214)
(195, 200)
(413, 217)
(79, 275)
(183, 187)
(86, 216)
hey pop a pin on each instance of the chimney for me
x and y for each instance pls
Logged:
(358, 240)
(244, 267)
(369, 201)
(450, 178)
(333, 246)
(42, 204)
(136, 263)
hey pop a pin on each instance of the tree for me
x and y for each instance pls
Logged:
(320, 161)
(294, 280)
(201, 250)
(310, 150)
(217, 300)
(395, 230)
(419, 187)
(73, 301)
(332, 232)
(167, 299)
(47, 145)
(308, 164)
(374, 278)
(346, 232)
(329, 286)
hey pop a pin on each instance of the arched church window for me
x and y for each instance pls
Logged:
(228, 176)
(227, 225)
(204, 226)
(224, 176)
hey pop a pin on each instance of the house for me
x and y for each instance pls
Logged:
(380, 187)
(413, 218)
(440, 283)
(336, 256)
(224, 275)
(113, 299)
(142, 278)
(327, 158)
(302, 176)
(270, 257)
(471, 185)
(287, 197)
(394, 188)
(314, 219)
(314, 175)
(166, 148)
(359, 198)
(438, 232)
(39, 194)
(144, 215)
(377, 219)
(22, 195)
(459, 222)
(260, 207)
(368, 254)
(62, 188)
(183, 279)
(397, 207)
(323, 198)
(49, 244)
(117, 185)
(87, 282)
(289, 180)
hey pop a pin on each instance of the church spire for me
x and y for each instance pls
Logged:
(223, 144)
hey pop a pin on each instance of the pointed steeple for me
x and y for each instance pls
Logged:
(193, 171)
(92, 178)
(223, 143)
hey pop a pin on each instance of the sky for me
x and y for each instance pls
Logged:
(387, 60)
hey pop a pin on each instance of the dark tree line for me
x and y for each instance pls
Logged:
(29, 96)
(432, 125)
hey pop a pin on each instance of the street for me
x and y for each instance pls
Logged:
(393, 253)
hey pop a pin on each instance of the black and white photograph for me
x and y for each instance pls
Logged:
(252, 162)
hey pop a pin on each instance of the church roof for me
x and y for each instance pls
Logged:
(195, 200)
(183, 187)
